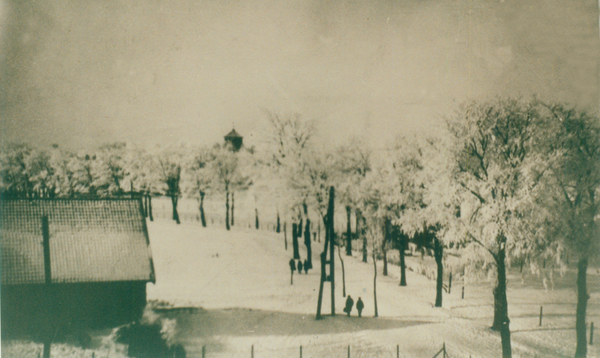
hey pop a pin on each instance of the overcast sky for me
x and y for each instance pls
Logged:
(80, 73)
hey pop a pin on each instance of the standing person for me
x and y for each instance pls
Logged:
(299, 266)
(292, 268)
(359, 306)
(349, 304)
(306, 267)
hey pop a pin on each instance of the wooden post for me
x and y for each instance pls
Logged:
(397, 351)
(450, 283)
(322, 282)
(203, 352)
(46, 244)
(463, 292)
(48, 278)
(252, 351)
(541, 311)
(300, 351)
(348, 351)
(592, 333)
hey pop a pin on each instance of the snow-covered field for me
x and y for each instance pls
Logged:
(238, 284)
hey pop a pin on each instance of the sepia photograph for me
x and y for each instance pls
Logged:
(300, 178)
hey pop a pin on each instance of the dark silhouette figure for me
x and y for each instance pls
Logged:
(359, 306)
(306, 266)
(299, 266)
(292, 269)
(349, 304)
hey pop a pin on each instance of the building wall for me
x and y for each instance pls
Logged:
(34, 309)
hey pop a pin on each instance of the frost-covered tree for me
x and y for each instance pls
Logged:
(83, 168)
(353, 163)
(141, 176)
(199, 177)
(228, 175)
(497, 169)
(110, 169)
(572, 142)
(310, 180)
(384, 195)
(306, 172)
(168, 164)
(374, 206)
(15, 180)
(424, 166)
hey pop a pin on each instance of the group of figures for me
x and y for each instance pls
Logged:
(300, 266)
(350, 303)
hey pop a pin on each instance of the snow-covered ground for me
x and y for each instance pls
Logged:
(239, 285)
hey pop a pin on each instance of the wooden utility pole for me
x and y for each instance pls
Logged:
(328, 241)
(330, 224)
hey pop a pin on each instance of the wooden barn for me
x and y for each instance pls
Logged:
(72, 263)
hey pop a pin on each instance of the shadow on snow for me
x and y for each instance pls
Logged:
(198, 322)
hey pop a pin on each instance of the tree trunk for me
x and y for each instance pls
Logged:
(439, 255)
(295, 241)
(330, 229)
(357, 222)
(348, 232)
(232, 207)
(285, 234)
(375, 284)
(360, 234)
(343, 272)
(175, 213)
(386, 238)
(278, 230)
(144, 205)
(402, 263)
(150, 215)
(582, 299)
(256, 223)
(318, 231)
(501, 321)
(227, 209)
(308, 243)
(202, 217)
(385, 270)
(47, 346)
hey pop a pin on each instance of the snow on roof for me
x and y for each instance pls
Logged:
(91, 240)
(233, 134)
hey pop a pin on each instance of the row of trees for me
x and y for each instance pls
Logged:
(120, 169)
(503, 181)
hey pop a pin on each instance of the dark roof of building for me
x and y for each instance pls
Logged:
(90, 241)
(233, 134)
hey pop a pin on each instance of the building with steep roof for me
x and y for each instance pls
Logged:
(66, 261)
(234, 140)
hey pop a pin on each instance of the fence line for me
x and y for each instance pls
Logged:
(442, 351)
